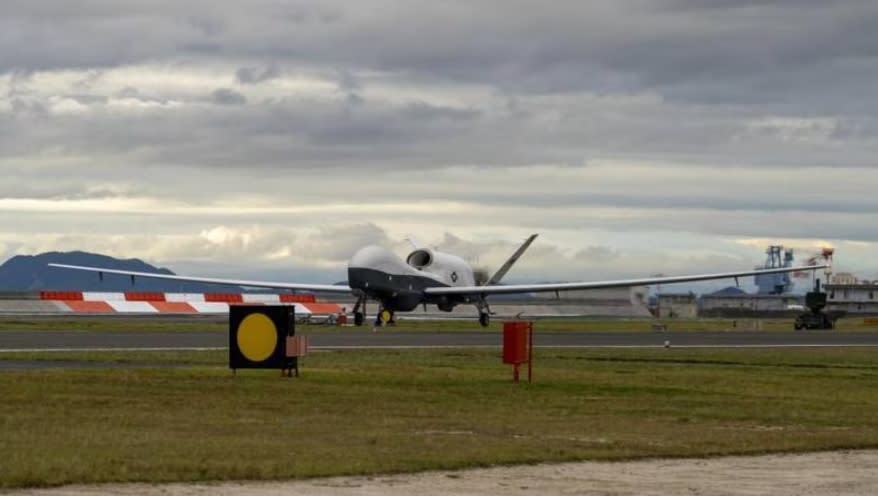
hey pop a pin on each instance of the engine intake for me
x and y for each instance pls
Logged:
(420, 258)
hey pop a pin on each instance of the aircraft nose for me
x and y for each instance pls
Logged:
(369, 257)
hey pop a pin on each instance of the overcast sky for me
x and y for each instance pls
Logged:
(271, 139)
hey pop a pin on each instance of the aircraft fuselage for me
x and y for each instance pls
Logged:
(399, 284)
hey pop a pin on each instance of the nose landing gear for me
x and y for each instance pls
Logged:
(385, 316)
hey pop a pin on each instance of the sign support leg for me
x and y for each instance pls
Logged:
(530, 353)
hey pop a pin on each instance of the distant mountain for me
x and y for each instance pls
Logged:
(32, 273)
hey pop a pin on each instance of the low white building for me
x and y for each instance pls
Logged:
(677, 305)
(857, 298)
(735, 305)
(636, 295)
(620, 301)
(843, 278)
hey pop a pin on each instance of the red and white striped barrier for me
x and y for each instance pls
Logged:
(172, 302)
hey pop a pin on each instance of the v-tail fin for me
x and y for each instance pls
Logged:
(495, 279)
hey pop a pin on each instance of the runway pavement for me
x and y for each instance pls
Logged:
(44, 340)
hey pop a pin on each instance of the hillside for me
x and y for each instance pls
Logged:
(32, 273)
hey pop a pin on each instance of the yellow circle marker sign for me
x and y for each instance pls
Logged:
(257, 337)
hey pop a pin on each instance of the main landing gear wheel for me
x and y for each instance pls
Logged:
(360, 310)
(484, 319)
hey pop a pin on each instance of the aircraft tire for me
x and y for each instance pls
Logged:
(359, 318)
(484, 319)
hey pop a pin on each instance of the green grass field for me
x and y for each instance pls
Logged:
(357, 412)
(217, 324)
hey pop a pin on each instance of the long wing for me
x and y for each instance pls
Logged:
(208, 280)
(517, 289)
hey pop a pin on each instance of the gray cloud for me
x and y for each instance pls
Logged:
(68, 191)
(252, 75)
(27, 108)
(442, 104)
(780, 55)
(225, 96)
(421, 111)
(293, 133)
(600, 46)
(338, 243)
(348, 82)
(599, 253)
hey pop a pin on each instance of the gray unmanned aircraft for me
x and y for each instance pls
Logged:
(428, 276)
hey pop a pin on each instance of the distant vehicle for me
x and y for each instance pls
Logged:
(428, 276)
(815, 317)
(817, 321)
